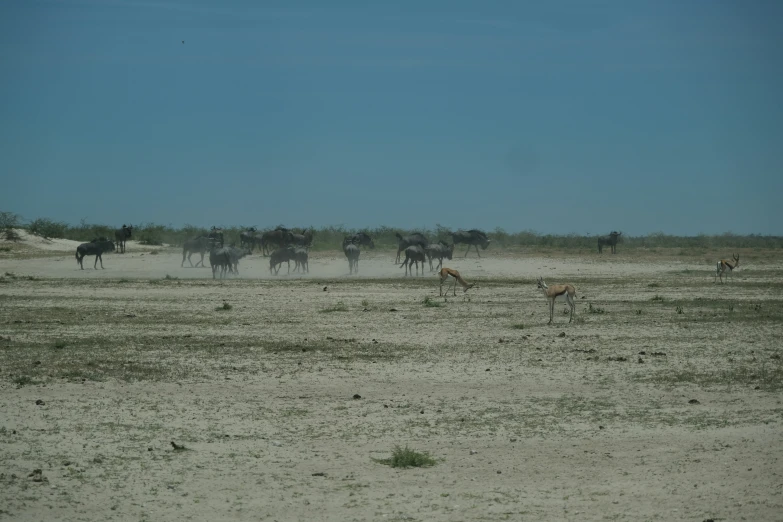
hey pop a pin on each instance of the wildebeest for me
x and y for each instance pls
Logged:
(414, 239)
(301, 259)
(610, 240)
(305, 239)
(219, 259)
(121, 235)
(197, 245)
(96, 248)
(247, 238)
(280, 237)
(473, 238)
(362, 239)
(216, 235)
(438, 251)
(278, 257)
(235, 254)
(352, 252)
(414, 254)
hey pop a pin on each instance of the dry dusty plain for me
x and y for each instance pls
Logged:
(662, 401)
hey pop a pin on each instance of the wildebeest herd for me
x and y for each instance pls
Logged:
(284, 245)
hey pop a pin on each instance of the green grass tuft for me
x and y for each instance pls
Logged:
(431, 303)
(224, 306)
(408, 458)
(658, 298)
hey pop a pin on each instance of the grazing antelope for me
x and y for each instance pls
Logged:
(723, 265)
(554, 293)
(444, 275)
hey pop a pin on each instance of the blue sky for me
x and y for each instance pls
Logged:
(560, 117)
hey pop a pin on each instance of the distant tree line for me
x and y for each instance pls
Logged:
(331, 237)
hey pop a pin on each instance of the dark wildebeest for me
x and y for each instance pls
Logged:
(278, 257)
(235, 254)
(304, 240)
(414, 254)
(279, 237)
(362, 239)
(96, 248)
(197, 245)
(216, 235)
(473, 238)
(120, 236)
(220, 259)
(610, 240)
(352, 252)
(247, 238)
(301, 259)
(414, 239)
(438, 251)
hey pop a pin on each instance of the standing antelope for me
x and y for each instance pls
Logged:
(554, 293)
(444, 275)
(723, 265)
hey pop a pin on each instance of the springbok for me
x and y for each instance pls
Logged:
(554, 293)
(445, 273)
(723, 265)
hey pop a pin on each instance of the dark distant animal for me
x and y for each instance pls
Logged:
(197, 245)
(301, 260)
(247, 238)
(235, 254)
(351, 252)
(438, 251)
(404, 242)
(362, 239)
(216, 234)
(414, 254)
(278, 257)
(219, 259)
(96, 248)
(472, 238)
(280, 237)
(610, 240)
(121, 235)
(304, 240)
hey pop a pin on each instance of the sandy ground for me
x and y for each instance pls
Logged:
(286, 400)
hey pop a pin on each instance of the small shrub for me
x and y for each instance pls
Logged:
(638, 312)
(408, 458)
(5, 249)
(518, 326)
(339, 307)
(756, 307)
(170, 278)
(11, 235)
(47, 228)
(679, 310)
(657, 297)
(154, 253)
(224, 306)
(595, 309)
(731, 307)
(24, 380)
(653, 285)
(431, 303)
(59, 345)
(365, 303)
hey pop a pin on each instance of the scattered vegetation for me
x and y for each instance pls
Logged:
(170, 278)
(224, 306)
(658, 298)
(518, 326)
(408, 458)
(431, 303)
(679, 310)
(339, 307)
(595, 309)
(653, 285)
